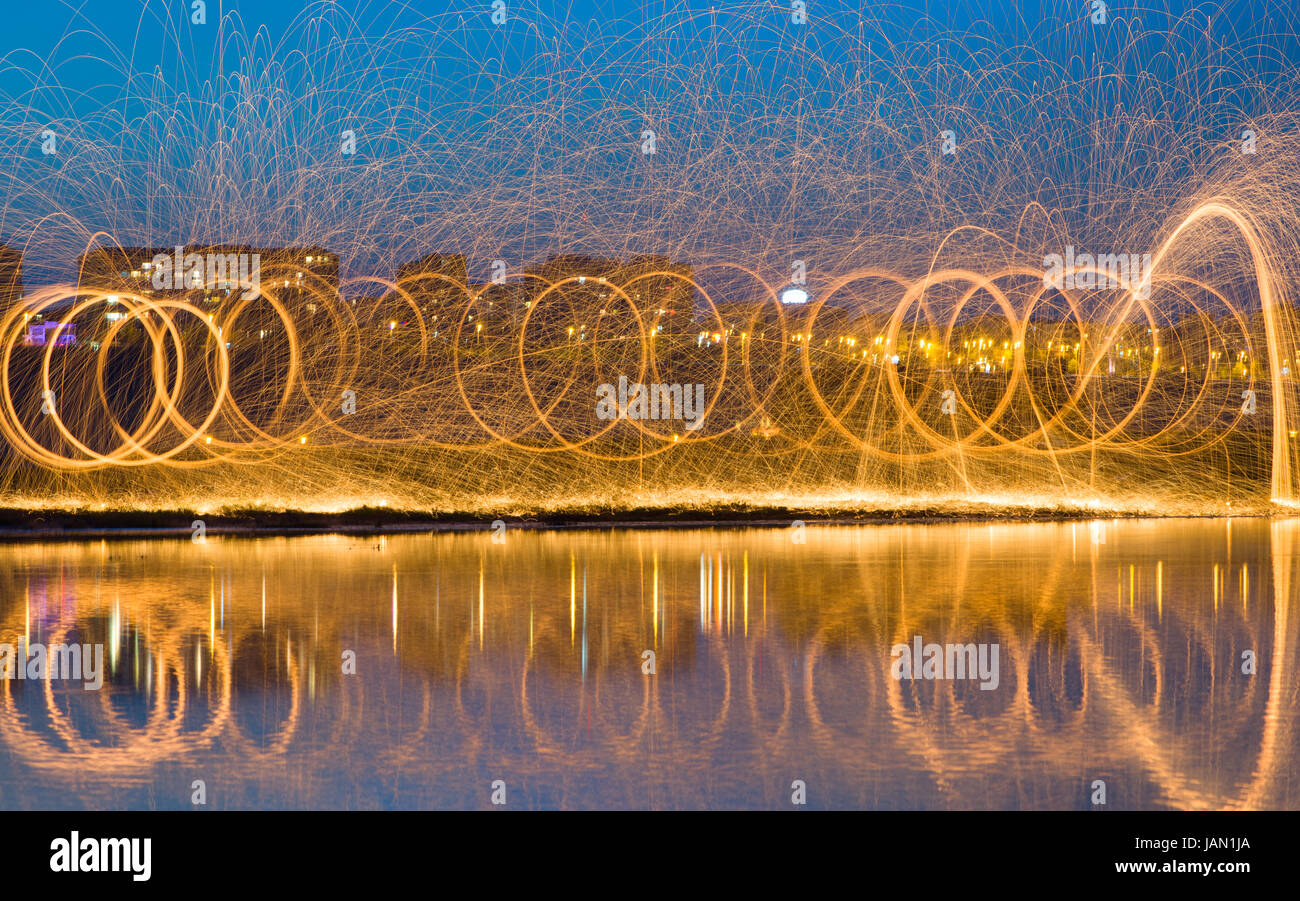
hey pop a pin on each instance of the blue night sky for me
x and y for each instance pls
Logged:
(520, 140)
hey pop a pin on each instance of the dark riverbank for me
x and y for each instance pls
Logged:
(48, 525)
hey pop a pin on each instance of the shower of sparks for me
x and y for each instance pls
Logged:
(842, 229)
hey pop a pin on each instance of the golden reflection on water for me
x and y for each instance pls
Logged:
(1120, 647)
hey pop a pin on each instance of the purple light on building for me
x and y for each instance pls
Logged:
(39, 332)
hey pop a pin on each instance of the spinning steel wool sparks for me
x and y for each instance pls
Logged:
(907, 269)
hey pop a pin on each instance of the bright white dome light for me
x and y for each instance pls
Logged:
(794, 295)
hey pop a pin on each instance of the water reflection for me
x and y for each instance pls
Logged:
(1121, 656)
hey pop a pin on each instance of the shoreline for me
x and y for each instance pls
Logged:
(18, 525)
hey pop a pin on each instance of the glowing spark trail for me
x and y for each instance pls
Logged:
(900, 271)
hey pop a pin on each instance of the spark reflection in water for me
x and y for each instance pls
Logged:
(1120, 650)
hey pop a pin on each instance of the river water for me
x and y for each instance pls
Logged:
(1154, 661)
